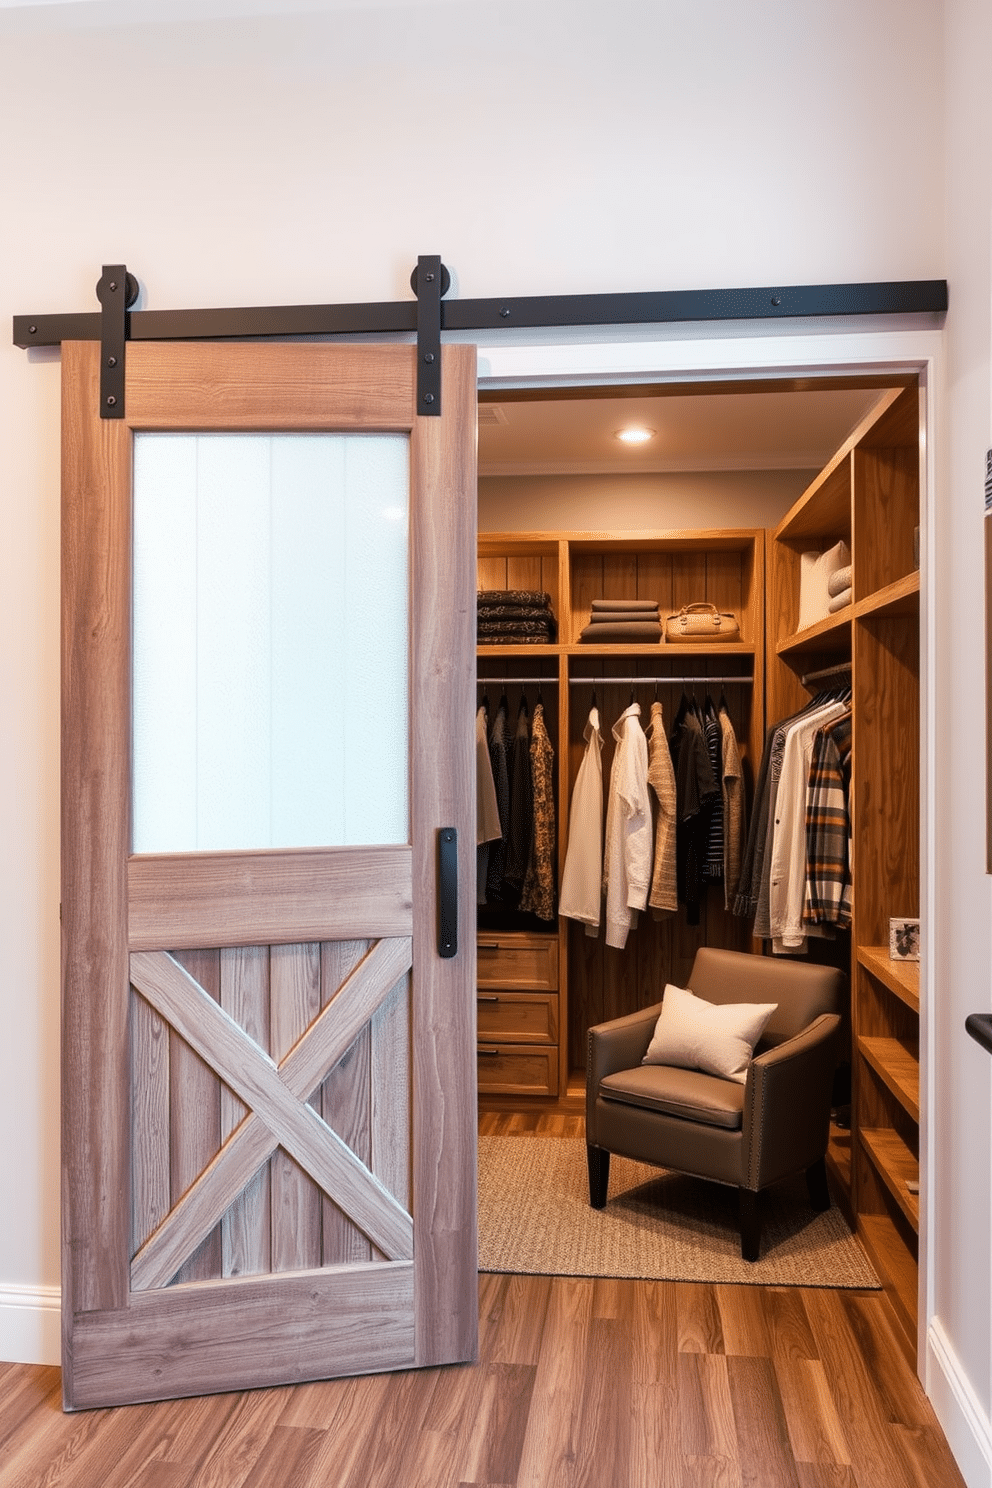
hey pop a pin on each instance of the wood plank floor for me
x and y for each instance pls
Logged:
(604, 1384)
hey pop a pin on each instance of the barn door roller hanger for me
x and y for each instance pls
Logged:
(429, 315)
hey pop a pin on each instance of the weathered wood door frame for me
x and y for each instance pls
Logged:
(127, 1335)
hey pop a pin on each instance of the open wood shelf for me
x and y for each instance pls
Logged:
(902, 597)
(902, 978)
(677, 541)
(824, 508)
(898, 1168)
(533, 653)
(661, 651)
(898, 1067)
(665, 650)
(830, 635)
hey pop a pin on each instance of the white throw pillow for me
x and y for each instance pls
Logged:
(839, 580)
(718, 1038)
(815, 570)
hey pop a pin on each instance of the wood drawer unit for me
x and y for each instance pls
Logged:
(518, 961)
(518, 1024)
(518, 1069)
(518, 1017)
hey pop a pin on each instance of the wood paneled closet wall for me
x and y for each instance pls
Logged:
(542, 985)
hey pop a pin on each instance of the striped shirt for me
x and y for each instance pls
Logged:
(828, 827)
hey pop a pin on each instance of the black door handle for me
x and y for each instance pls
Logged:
(979, 1025)
(447, 892)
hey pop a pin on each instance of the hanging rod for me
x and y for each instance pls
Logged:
(632, 681)
(584, 681)
(839, 670)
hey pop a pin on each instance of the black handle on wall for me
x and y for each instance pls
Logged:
(979, 1025)
(447, 892)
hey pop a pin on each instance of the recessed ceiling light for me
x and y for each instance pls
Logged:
(635, 434)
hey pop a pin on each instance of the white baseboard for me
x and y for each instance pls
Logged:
(30, 1325)
(964, 1419)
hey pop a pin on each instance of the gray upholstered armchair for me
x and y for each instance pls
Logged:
(749, 1135)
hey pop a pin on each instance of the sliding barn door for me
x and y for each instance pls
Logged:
(268, 1065)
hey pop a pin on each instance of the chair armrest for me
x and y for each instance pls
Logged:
(787, 1103)
(618, 1045)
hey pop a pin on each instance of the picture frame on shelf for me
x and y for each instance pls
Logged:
(904, 939)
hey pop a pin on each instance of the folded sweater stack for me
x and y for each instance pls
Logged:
(839, 589)
(621, 621)
(512, 617)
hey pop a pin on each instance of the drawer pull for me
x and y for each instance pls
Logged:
(488, 945)
(487, 997)
(489, 1053)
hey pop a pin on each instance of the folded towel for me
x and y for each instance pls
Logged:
(840, 579)
(645, 631)
(516, 598)
(513, 640)
(620, 617)
(606, 605)
(509, 630)
(839, 601)
(512, 612)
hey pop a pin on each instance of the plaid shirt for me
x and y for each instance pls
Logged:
(828, 827)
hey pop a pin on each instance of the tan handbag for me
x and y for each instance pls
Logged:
(702, 622)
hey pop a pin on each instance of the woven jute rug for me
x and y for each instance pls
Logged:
(535, 1218)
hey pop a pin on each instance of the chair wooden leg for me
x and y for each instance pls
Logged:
(750, 1221)
(816, 1183)
(599, 1175)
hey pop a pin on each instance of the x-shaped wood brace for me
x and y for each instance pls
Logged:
(278, 1114)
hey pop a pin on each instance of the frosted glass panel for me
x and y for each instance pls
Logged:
(270, 641)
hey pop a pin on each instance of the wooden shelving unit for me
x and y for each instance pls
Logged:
(868, 495)
(723, 566)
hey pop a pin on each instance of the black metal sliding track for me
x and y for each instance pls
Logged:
(429, 315)
(899, 297)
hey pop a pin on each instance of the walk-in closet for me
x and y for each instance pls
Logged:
(731, 515)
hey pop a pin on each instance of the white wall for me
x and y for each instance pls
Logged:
(958, 1358)
(541, 149)
(748, 498)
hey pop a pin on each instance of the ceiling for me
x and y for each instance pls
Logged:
(746, 427)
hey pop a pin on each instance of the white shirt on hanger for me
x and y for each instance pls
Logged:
(627, 864)
(581, 894)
